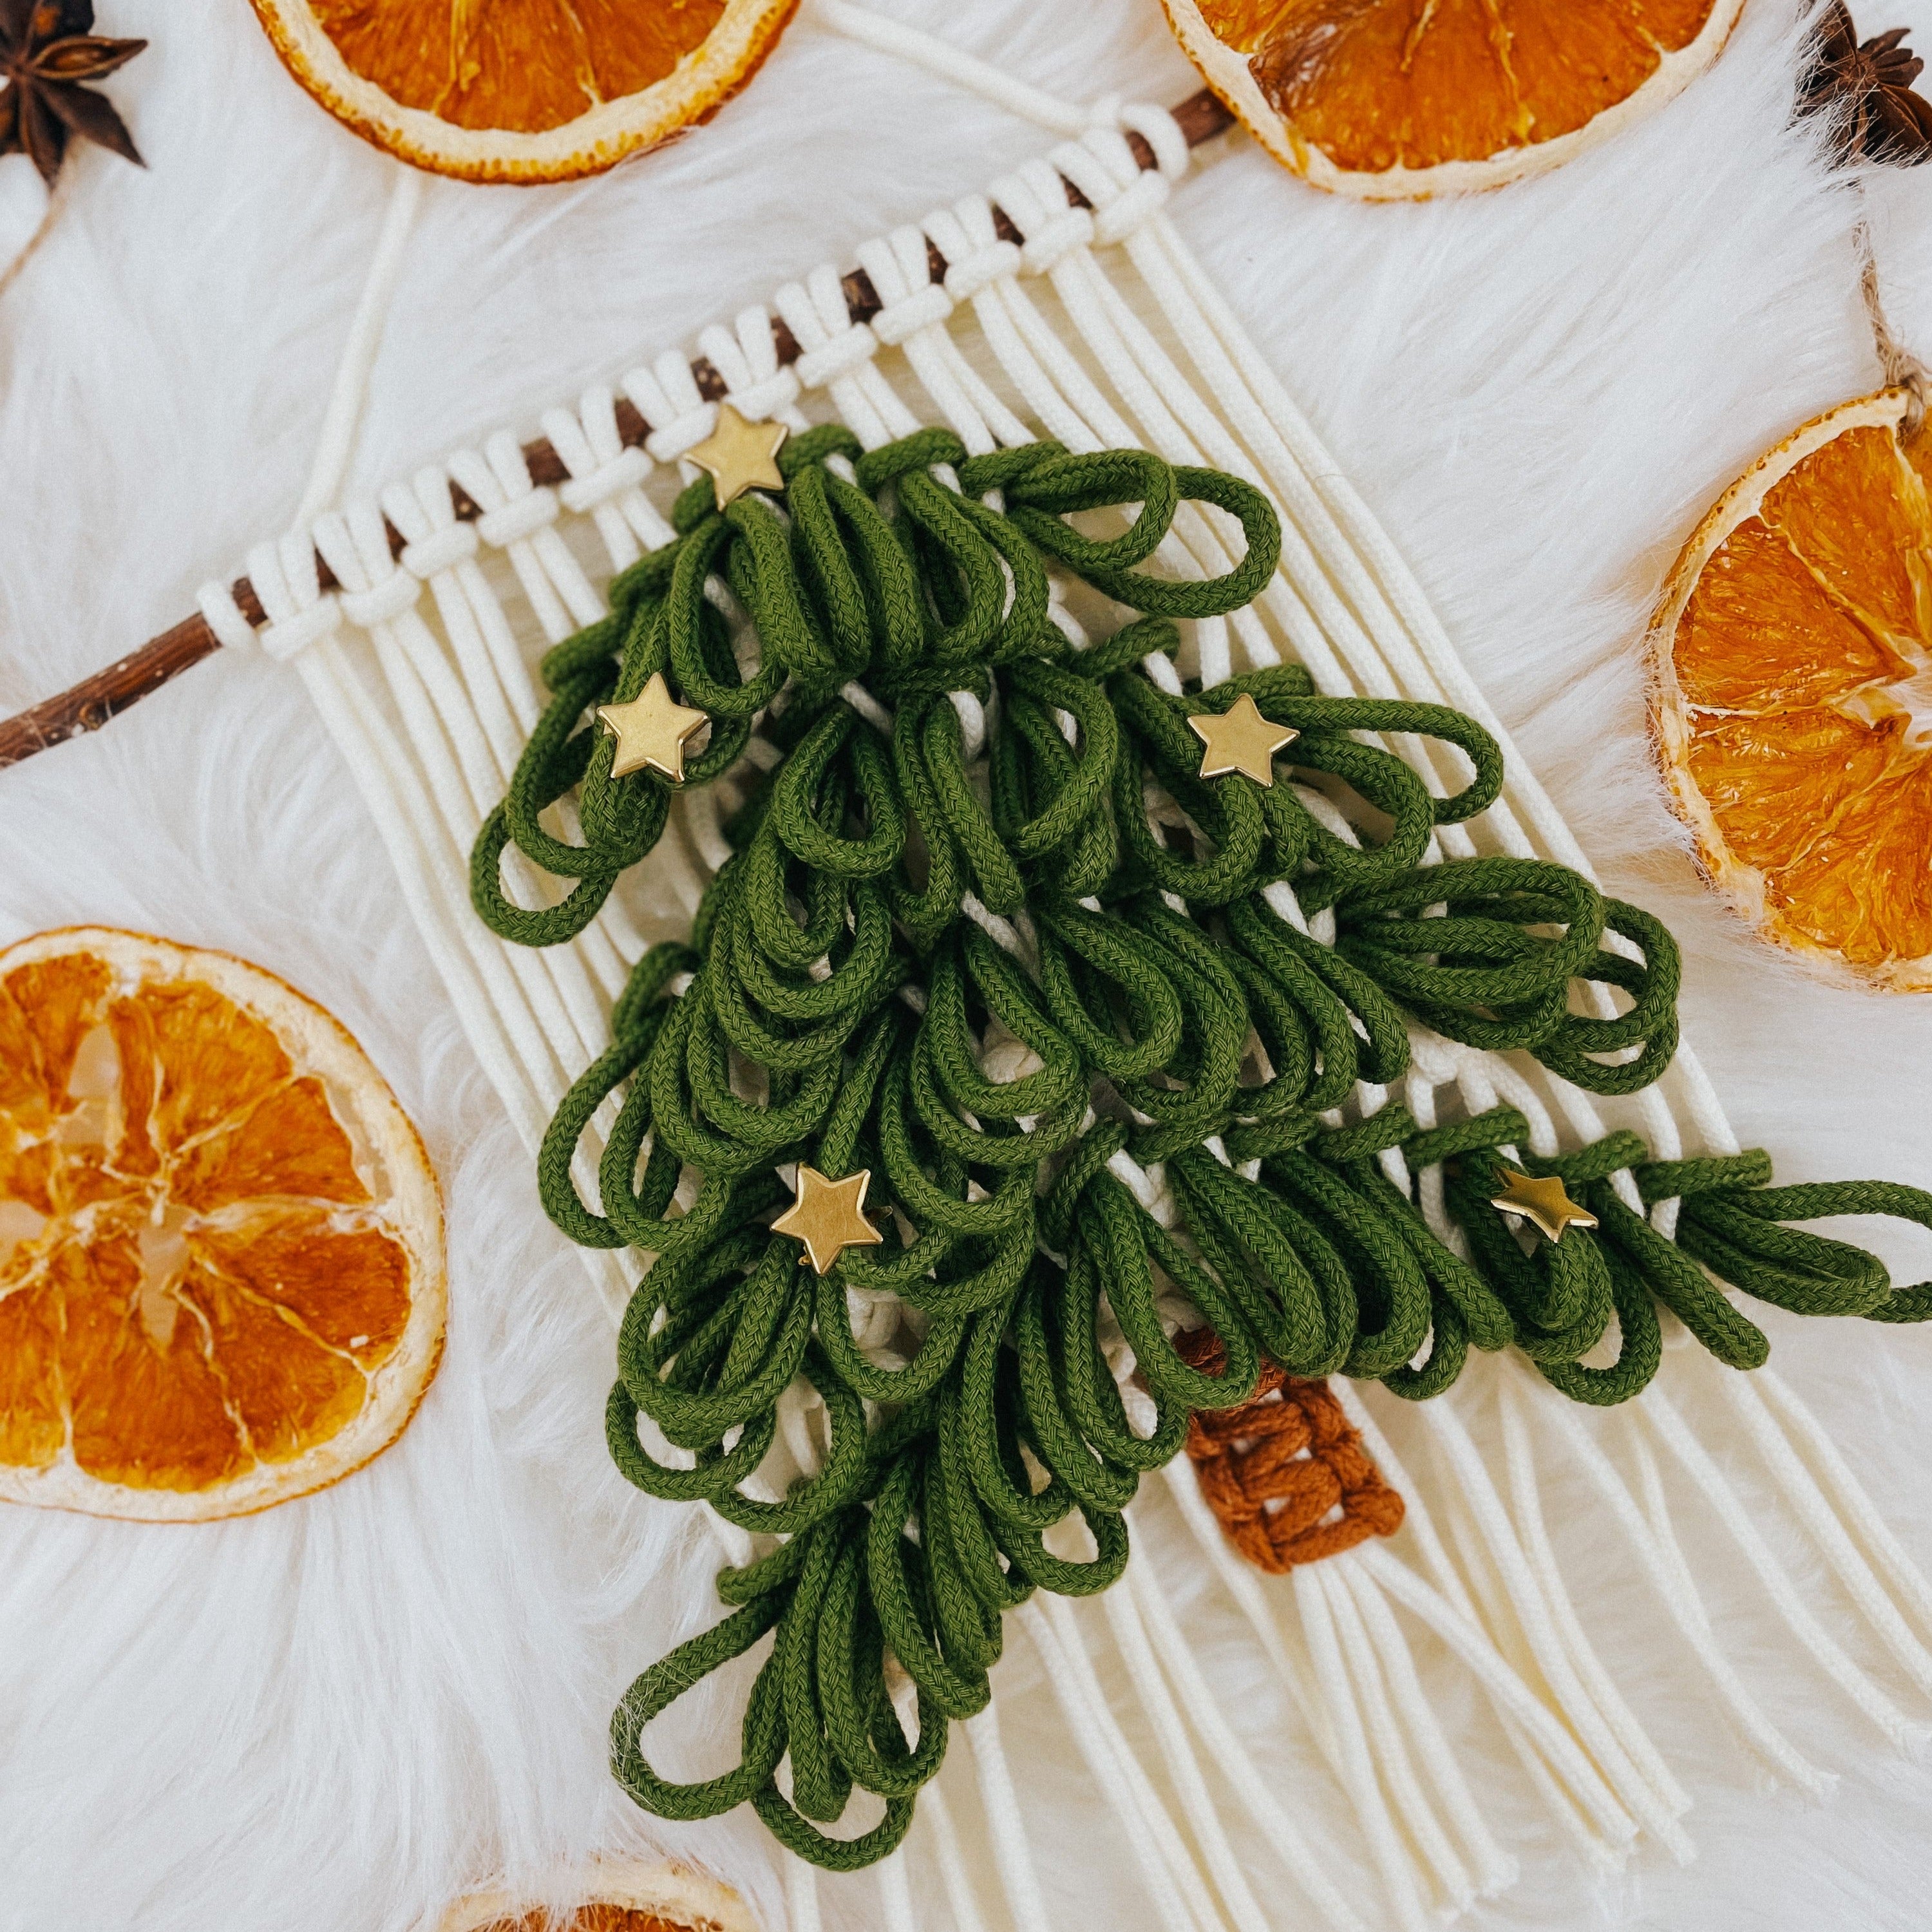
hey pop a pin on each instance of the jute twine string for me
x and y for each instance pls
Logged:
(1903, 369)
(1043, 983)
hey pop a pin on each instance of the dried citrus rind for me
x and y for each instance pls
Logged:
(1791, 693)
(1402, 99)
(613, 1895)
(221, 1256)
(522, 91)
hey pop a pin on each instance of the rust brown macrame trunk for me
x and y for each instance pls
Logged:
(1286, 1475)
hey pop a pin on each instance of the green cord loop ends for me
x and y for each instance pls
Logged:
(1119, 1049)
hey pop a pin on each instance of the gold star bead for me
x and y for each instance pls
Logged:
(1542, 1203)
(829, 1216)
(1240, 739)
(653, 730)
(740, 455)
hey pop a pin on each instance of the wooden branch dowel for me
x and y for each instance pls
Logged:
(90, 704)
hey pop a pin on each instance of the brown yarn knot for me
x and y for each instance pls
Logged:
(1286, 1475)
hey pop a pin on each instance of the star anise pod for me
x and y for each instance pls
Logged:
(1867, 88)
(48, 52)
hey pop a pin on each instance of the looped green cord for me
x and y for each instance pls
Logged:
(1065, 1002)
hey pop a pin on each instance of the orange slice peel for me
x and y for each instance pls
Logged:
(1791, 693)
(1403, 99)
(615, 1894)
(522, 91)
(221, 1255)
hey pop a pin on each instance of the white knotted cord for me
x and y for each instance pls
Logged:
(430, 706)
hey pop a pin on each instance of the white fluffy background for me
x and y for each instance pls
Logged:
(330, 1718)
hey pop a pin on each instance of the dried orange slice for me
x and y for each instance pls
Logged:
(221, 1271)
(1398, 99)
(1791, 693)
(615, 1895)
(522, 90)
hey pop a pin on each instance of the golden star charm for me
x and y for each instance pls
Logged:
(653, 730)
(1240, 739)
(829, 1216)
(740, 455)
(1542, 1203)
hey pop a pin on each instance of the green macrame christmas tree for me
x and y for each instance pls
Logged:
(1055, 999)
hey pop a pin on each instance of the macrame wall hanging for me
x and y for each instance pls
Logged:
(1024, 963)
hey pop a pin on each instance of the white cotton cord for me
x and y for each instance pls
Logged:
(1670, 1578)
(1480, 1566)
(505, 722)
(442, 551)
(1255, 1789)
(801, 1895)
(896, 1909)
(1388, 1749)
(914, 318)
(666, 396)
(839, 356)
(1006, 1823)
(442, 724)
(1417, 1521)
(1332, 621)
(502, 694)
(1849, 1495)
(757, 386)
(1657, 1510)
(606, 475)
(537, 1049)
(520, 517)
(1542, 1633)
(572, 1026)
(349, 725)
(1515, 1703)
(342, 420)
(1393, 1859)
(1242, 1584)
(1496, 1871)
(1672, 1800)
(1184, 1769)
(1657, 1410)
(955, 1873)
(1059, 390)
(1394, 665)
(433, 872)
(1075, 411)
(948, 63)
(439, 711)
(1174, 1886)
(1801, 1490)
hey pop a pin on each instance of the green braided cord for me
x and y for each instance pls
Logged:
(1062, 1001)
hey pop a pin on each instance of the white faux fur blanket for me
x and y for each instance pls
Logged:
(332, 1717)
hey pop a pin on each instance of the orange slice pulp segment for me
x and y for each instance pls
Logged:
(1791, 656)
(522, 90)
(1392, 99)
(221, 1276)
